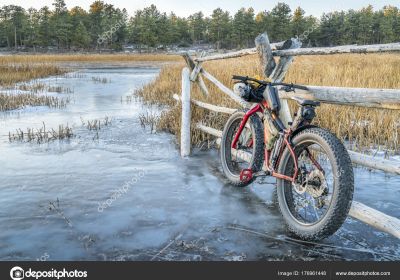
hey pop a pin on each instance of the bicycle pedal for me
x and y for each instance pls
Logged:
(246, 175)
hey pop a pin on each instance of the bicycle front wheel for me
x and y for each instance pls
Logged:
(317, 204)
(250, 143)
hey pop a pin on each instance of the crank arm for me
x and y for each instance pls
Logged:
(246, 175)
(262, 174)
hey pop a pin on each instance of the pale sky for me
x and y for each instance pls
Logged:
(187, 7)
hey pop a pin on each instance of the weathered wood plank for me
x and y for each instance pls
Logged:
(225, 89)
(393, 47)
(202, 86)
(375, 163)
(196, 76)
(265, 53)
(375, 218)
(279, 72)
(363, 97)
(278, 75)
(244, 52)
(240, 53)
(186, 114)
(372, 162)
(189, 61)
(209, 130)
(208, 106)
(195, 73)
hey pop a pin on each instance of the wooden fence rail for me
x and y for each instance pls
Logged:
(373, 98)
(394, 47)
(361, 97)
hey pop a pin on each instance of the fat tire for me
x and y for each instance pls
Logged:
(342, 195)
(258, 146)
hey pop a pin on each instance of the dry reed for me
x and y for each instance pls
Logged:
(41, 135)
(22, 100)
(97, 80)
(93, 58)
(38, 87)
(149, 119)
(96, 124)
(11, 74)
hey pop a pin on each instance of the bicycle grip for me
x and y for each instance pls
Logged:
(240, 78)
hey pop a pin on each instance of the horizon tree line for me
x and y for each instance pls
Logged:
(105, 27)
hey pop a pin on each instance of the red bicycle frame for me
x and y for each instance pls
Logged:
(286, 143)
(246, 117)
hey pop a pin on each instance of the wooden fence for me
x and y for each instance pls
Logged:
(363, 97)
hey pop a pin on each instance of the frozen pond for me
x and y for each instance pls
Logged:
(127, 195)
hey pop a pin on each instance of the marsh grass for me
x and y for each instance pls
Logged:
(22, 100)
(92, 58)
(41, 135)
(59, 89)
(149, 119)
(39, 87)
(11, 74)
(96, 124)
(74, 75)
(35, 87)
(361, 127)
(101, 80)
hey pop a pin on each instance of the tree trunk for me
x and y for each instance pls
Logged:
(15, 38)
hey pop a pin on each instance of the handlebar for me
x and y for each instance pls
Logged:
(286, 87)
(249, 79)
(289, 87)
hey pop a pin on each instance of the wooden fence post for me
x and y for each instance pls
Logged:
(278, 75)
(186, 114)
(197, 78)
(265, 53)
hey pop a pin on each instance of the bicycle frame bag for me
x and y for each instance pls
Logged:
(272, 97)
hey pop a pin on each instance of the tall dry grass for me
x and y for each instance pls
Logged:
(361, 127)
(20, 68)
(11, 74)
(92, 58)
(16, 101)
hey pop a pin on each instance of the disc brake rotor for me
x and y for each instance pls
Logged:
(316, 184)
(300, 188)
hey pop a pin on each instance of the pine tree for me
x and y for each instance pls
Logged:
(197, 26)
(280, 19)
(81, 37)
(220, 28)
(59, 20)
